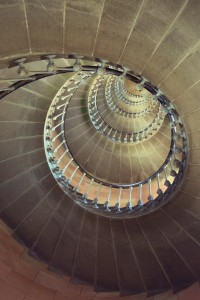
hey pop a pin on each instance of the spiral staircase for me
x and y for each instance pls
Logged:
(100, 166)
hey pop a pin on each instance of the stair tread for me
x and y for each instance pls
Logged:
(23, 206)
(17, 113)
(106, 272)
(152, 274)
(69, 242)
(38, 216)
(21, 164)
(17, 186)
(187, 248)
(15, 147)
(86, 251)
(179, 275)
(50, 236)
(129, 277)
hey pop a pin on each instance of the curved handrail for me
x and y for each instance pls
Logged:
(175, 121)
(114, 134)
(129, 102)
(116, 108)
(66, 182)
(131, 96)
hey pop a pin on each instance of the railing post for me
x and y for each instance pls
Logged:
(129, 204)
(95, 201)
(140, 202)
(67, 165)
(172, 171)
(118, 205)
(70, 178)
(60, 133)
(150, 197)
(85, 196)
(159, 191)
(61, 157)
(78, 186)
(107, 203)
(167, 182)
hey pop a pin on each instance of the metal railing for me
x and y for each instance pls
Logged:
(114, 106)
(112, 133)
(124, 99)
(95, 194)
(129, 95)
(102, 197)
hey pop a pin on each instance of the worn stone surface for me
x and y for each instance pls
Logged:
(152, 24)
(13, 30)
(81, 25)
(179, 80)
(45, 23)
(178, 43)
(116, 23)
(188, 100)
